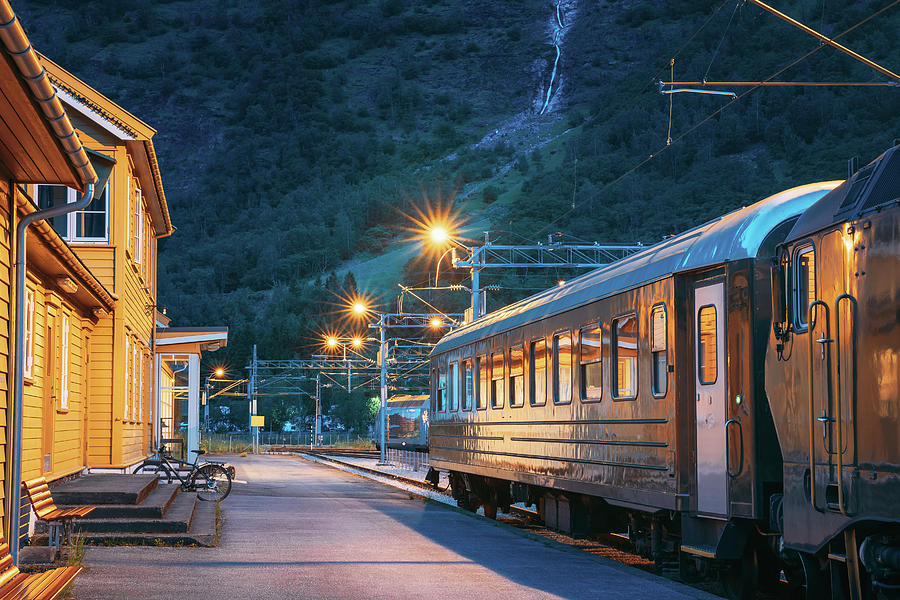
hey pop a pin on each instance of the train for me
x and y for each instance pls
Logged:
(730, 396)
(407, 421)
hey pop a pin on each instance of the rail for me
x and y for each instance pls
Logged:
(810, 320)
(838, 413)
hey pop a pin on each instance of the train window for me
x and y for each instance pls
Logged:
(707, 353)
(484, 377)
(625, 347)
(468, 385)
(804, 283)
(453, 385)
(497, 380)
(591, 340)
(562, 368)
(517, 376)
(537, 381)
(658, 350)
(442, 388)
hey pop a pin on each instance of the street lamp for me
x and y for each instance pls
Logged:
(219, 373)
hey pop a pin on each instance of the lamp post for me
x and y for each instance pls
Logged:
(219, 372)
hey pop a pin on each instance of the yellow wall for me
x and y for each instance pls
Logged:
(53, 434)
(6, 366)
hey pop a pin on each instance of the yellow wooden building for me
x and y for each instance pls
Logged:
(58, 302)
(116, 239)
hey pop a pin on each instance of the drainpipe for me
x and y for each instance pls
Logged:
(16, 483)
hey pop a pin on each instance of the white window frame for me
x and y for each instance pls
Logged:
(136, 377)
(127, 381)
(64, 365)
(28, 367)
(72, 218)
(138, 227)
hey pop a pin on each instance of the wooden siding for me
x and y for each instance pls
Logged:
(6, 314)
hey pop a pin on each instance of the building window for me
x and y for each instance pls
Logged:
(442, 389)
(136, 382)
(453, 384)
(707, 362)
(804, 283)
(562, 368)
(537, 381)
(29, 332)
(64, 365)
(497, 380)
(138, 227)
(468, 386)
(625, 347)
(484, 386)
(591, 339)
(127, 378)
(88, 225)
(517, 376)
(658, 350)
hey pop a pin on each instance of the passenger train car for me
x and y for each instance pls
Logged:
(662, 394)
(407, 420)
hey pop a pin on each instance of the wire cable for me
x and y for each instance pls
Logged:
(694, 127)
(724, 33)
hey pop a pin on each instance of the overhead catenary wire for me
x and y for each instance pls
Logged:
(714, 113)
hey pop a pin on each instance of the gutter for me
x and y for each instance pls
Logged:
(25, 58)
(16, 44)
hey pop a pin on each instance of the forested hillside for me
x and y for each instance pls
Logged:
(295, 136)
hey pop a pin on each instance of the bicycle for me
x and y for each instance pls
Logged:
(211, 481)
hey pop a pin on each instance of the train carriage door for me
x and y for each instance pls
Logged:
(709, 377)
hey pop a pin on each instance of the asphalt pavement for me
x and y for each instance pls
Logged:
(298, 529)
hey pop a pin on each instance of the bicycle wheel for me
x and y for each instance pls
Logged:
(154, 467)
(212, 482)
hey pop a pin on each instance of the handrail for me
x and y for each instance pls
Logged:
(741, 442)
(810, 325)
(838, 416)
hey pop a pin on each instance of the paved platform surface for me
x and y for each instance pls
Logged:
(302, 530)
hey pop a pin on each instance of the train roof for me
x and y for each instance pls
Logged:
(869, 190)
(407, 400)
(731, 237)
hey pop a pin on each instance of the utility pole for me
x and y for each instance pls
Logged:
(252, 398)
(382, 356)
(318, 426)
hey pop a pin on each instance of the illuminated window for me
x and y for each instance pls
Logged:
(804, 283)
(484, 377)
(453, 385)
(442, 389)
(591, 362)
(468, 386)
(658, 347)
(562, 368)
(88, 225)
(517, 376)
(497, 380)
(64, 365)
(625, 347)
(29, 332)
(707, 352)
(538, 376)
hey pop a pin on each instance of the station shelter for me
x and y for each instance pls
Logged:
(178, 354)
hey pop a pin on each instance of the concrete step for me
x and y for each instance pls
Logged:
(104, 488)
(154, 506)
(202, 533)
(177, 519)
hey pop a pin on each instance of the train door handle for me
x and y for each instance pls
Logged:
(741, 445)
(825, 420)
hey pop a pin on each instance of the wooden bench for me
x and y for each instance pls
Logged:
(59, 520)
(15, 585)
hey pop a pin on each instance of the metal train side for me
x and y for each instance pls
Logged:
(834, 386)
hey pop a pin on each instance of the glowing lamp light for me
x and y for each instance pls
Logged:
(439, 235)
(357, 342)
(561, 282)
(436, 323)
(219, 372)
(331, 342)
(359, 308)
